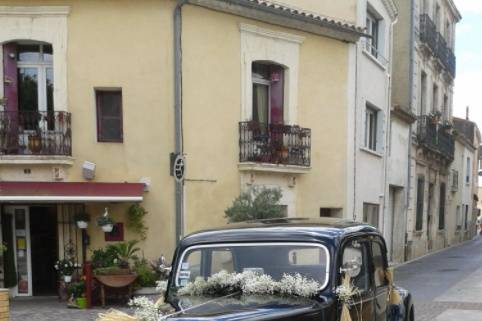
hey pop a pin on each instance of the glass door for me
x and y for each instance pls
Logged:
(21, 244)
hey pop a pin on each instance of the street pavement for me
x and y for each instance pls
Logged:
(446, 286)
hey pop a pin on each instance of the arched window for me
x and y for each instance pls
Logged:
(29, 74)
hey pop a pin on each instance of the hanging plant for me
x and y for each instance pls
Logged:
(135, 220)
(105, 222)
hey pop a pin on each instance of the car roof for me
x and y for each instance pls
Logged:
(296, 229)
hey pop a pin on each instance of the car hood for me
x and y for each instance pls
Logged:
(241, 307)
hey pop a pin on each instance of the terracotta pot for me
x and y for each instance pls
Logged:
(117, 280)
(34, 143)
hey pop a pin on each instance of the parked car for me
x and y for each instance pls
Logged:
(320, 249)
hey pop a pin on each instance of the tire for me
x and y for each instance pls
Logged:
(411, 314)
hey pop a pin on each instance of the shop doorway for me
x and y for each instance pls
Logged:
(31, 234)
(44, 249)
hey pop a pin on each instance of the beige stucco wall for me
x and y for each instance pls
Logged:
(126, 44)
(109, 45)
(212, 112)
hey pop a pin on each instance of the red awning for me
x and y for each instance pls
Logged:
(70, 192)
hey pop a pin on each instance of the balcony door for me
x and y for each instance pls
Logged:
(35, 81)
(268, 93)
(28, 88)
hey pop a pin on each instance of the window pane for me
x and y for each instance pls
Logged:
(222, 260)
(28, 89)
(370, 214)
(356, 255)
(273, 259)
(21, 245)
(420, 202)
(378, 265)
(109, 114)
(111, 129)
(47, 53)
(28, 52)
(260, 103)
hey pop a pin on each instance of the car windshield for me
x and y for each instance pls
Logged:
(274, 259)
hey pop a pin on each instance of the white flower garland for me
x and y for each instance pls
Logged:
(250, 282)
(223, 283)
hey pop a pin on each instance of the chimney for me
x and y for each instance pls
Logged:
(467, 113)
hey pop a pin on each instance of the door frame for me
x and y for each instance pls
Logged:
(11, 209)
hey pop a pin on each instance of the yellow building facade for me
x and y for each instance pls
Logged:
(103, 78)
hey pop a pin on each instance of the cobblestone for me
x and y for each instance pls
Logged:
(48, 309)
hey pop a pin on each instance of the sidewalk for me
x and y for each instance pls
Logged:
(446, 286)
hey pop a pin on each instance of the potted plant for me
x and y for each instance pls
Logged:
(82, 219)
(113, 266)
(66, 268)
(77, 292)
(105, 222)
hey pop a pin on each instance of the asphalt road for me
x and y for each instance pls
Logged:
(446, 286)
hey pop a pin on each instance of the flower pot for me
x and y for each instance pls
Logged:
(107, 228)
(34, 143)
(82, 224)
(81, 303)
(67, 278)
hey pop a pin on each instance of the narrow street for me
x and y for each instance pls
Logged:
(446, 286)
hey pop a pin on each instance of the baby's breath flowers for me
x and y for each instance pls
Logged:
(250, 282)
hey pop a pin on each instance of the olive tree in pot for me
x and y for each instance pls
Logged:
(256, 204)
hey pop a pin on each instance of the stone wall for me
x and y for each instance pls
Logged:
(4, 305)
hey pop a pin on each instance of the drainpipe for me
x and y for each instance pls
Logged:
(179, 185)
(410, 93)
(386, 184)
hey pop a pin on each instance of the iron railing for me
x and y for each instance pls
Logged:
(437, 44)
(274, 144)
(435, 137)
(35, 133)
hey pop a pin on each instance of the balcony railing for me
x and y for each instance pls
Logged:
(274, 144)
(35, 133)
(435, 137)
(437, 44)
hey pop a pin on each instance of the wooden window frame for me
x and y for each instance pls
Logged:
(100, 138)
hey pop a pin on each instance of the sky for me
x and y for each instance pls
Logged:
(468, 50)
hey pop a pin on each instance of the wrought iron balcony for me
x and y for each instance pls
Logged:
(35, 133)
(274, 144)
(434, 137)
(437, 44)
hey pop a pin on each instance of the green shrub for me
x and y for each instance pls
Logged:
(110, 270)
(146, 276)
(104, 258)
(256, 204)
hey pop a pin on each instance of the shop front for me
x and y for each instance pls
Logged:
(38, 228)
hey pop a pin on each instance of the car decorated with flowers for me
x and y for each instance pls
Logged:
(286, 269)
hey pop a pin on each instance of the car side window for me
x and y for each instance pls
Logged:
(378, 265)
(355, 257)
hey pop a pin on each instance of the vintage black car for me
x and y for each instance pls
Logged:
(321, 249)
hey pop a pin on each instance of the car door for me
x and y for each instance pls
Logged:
(378, 268)
(357, 251)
